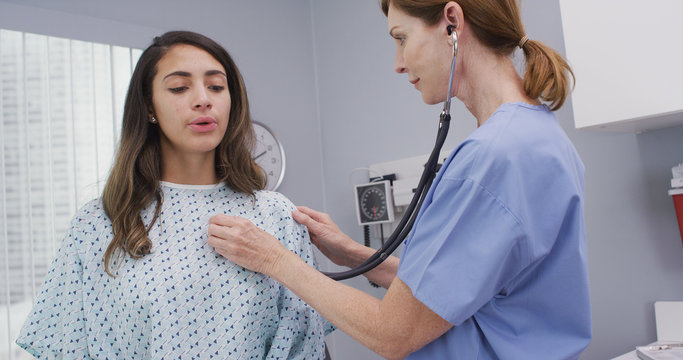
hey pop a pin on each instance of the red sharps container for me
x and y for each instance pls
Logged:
(677, 195)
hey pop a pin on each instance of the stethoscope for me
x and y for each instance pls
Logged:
(404, 227)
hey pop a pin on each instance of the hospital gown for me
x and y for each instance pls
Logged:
(183, 300)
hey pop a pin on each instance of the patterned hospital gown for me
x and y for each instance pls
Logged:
(182, 301)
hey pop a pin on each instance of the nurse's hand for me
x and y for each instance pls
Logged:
(243, 243)
(331, 241)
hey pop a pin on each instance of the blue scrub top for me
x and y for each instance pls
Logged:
(499, 246)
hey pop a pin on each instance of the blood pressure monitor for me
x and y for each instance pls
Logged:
(374, 203)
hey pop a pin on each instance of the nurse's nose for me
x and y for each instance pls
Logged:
(399, 65)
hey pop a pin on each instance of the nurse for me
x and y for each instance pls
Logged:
(495, 266)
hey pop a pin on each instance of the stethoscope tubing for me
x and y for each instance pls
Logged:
(408, 220)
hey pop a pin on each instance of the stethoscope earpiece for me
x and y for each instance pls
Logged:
(447, 103)
(454, 36)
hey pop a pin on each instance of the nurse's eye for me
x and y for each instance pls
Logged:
(217, 88)
(177, 90)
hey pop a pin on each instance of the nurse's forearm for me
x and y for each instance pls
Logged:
(354, 312)
(383, 274)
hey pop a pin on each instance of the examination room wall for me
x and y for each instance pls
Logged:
(369, 114)
(320, 73)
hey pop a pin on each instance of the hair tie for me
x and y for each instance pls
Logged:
(523, 41)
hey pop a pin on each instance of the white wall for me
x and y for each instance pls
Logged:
(368, 114)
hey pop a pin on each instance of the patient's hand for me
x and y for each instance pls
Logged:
(331, 241)
(243, 243)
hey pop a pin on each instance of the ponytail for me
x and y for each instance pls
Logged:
(547, 74)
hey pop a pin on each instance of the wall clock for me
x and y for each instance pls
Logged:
(269, 155)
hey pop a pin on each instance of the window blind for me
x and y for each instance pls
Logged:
(61, 104)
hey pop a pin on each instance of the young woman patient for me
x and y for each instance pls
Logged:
(134, 277)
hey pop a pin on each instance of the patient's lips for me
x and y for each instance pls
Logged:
(203, 124)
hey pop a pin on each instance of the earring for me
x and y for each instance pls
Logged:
(153, 120)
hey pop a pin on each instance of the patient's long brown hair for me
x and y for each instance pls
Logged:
(134, 180)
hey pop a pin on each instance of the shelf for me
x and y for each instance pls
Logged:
(641, 125)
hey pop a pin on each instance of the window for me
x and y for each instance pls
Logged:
(61, 104)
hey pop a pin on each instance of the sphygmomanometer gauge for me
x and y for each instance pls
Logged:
(373, 203)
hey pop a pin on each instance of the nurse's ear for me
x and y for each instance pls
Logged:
(452, 21)
(452, 13)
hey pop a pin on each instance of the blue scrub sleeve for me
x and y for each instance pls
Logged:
(55, 329)
(465, 248)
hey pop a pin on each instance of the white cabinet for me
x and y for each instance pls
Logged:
(627, 57)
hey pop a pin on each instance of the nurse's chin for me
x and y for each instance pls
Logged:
(431, 99)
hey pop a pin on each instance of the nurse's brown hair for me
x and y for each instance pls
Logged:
(498, 25)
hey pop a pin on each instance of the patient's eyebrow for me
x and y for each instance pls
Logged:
(214, 72)
(178, 73)
(187, 74)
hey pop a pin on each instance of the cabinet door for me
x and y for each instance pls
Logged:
(627, 57)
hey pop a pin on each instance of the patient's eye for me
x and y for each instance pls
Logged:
(177, 90)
